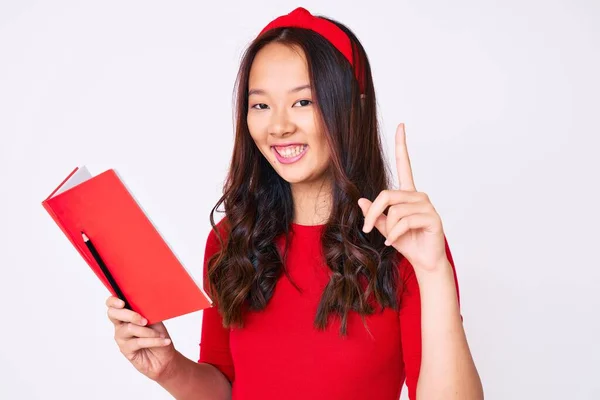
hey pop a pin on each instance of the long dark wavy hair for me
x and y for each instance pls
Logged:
(258, 203)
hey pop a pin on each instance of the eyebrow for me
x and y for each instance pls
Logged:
(296, 89)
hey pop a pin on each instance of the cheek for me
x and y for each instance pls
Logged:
(256, 130)
(324, 155)
(259, 138)
(252, 127)
(320, 141)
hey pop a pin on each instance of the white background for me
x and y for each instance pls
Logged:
(501, 105)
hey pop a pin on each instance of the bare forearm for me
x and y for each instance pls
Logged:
(185, 379)
(447, 368)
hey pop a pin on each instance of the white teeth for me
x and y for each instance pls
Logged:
(289, 152)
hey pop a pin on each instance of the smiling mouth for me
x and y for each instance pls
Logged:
(290, 151)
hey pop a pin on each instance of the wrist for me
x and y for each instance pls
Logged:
(438, 289)
(172, 368)
(441, 270)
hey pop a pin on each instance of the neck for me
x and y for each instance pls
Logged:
(312, 201)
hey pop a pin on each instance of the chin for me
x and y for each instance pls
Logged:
(294, 178)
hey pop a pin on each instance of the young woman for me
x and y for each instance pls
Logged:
(328, 283)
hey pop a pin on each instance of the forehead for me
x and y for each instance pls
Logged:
(278, 66)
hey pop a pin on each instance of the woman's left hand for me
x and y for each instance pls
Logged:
(412, 225)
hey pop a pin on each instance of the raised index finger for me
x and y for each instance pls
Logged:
(405, 175)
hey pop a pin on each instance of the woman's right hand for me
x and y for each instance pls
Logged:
(148, 348)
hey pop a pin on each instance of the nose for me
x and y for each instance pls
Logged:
(281, 124)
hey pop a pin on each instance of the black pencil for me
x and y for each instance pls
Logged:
(104, 269)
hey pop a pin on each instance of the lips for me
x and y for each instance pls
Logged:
(291, 150)
(290, 154)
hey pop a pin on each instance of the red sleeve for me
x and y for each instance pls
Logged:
(410, 322)
(214, 340)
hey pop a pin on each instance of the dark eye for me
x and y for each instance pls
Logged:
(258, 106)
(304, 102)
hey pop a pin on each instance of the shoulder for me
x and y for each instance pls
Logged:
(408, 286)
(222, 227)
(213, 244)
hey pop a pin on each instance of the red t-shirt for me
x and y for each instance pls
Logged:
(278, 354)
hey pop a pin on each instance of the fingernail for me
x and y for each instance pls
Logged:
(167, 341)
(143, 321)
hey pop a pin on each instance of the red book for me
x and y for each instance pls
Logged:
(149, 275)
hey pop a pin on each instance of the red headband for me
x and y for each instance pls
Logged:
(302, 18)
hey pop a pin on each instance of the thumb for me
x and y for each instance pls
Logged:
(364, 205)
